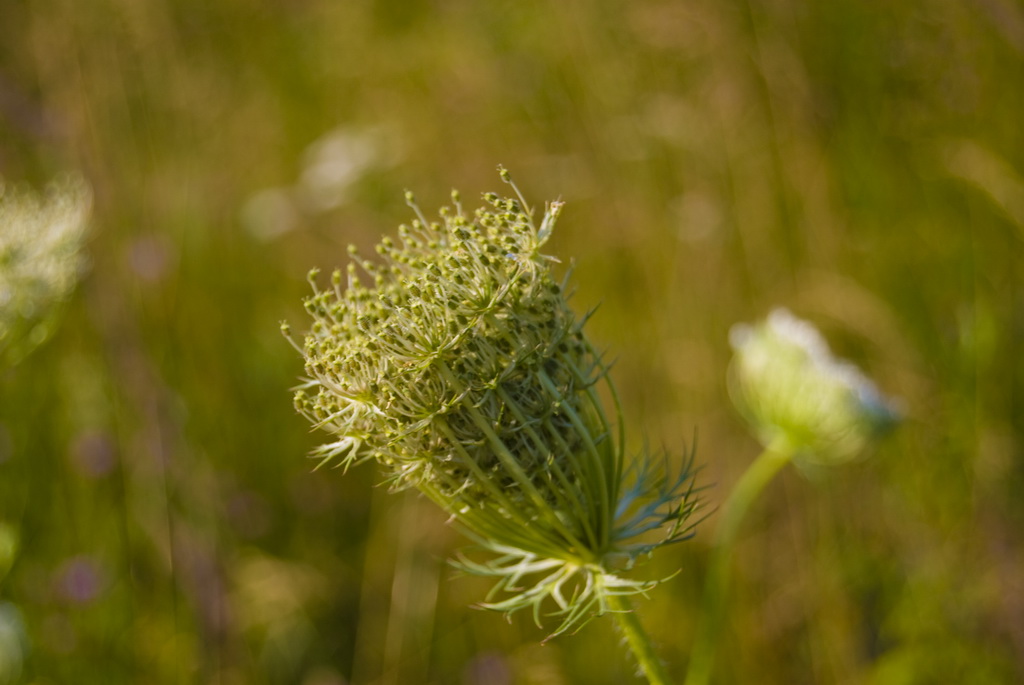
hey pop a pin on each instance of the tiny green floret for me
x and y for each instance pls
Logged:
(455, 362)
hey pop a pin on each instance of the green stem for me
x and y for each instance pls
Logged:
(638, 640)
(749, 486)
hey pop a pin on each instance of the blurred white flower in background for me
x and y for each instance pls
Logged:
(337, 160)
(269, 213)
(332, 165)
(40, 260)
(788, 386)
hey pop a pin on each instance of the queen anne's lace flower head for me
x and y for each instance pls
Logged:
(40, 261)
(792, 390)
(455, 362)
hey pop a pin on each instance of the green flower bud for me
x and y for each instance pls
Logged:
(794, 393)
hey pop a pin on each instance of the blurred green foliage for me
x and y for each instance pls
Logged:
(860, 163)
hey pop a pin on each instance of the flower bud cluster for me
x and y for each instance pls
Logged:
(454, 361)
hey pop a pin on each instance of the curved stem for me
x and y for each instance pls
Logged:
(749, 486)
(638, 640)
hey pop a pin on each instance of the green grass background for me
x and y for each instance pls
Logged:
(858, 162)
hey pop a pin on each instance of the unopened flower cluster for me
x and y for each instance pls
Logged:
(796, 394)
(454, 361)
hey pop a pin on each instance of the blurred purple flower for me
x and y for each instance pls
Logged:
(81, 580)
(92, 453)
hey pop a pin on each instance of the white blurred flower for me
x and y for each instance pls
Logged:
(786, 383)
(40, 260)
(338, 160)
(270, 213)
(332, 165)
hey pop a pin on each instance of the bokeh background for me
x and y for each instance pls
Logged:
(861, 163)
